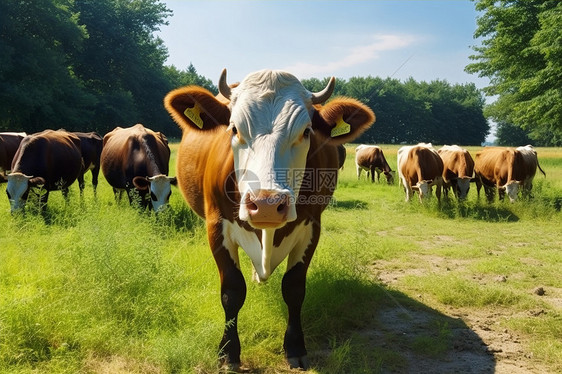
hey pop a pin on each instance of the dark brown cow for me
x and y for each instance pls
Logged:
(91, 144)
(504, 169)
(260, 170)
(50, 160)
(458, 170)
(9, 143)
(371, 159)
(420, 167)
(136, 160)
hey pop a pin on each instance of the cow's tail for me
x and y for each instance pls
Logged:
(542, 171)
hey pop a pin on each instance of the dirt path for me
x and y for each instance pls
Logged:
(477, 343)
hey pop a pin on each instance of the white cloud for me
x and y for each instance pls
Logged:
(355, 55)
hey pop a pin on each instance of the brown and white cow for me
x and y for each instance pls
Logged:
(531, 162)
(91, 144)
(136, 160)
(371, 159)
(50, 160)
(260, 170)
(505, 169)
(9, 143)
(458, 170)
(420, 168)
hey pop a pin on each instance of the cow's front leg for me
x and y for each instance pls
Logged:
(293, 287)
(233, 295)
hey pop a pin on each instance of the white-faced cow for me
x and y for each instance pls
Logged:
(91, 144)
(504, 169)
(458, 170)
(260, 170)
(9, 143)
(420, 168)
(50, 160)
(371, 159)
(136, 160)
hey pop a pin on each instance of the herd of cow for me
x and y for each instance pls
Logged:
(420, 167)
(257, 162)
(131, 159)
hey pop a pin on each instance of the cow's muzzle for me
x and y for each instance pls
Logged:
(266, 209)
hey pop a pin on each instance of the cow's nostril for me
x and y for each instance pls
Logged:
(281, 207)
(251, 206)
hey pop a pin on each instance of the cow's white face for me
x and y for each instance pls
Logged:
(512, 189)
(17, 190)
(160, 188)
(463, 186)
(424, 189)
(271, 132)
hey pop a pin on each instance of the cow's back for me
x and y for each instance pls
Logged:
(52, 155)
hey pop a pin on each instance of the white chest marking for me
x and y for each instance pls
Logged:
(264, 255)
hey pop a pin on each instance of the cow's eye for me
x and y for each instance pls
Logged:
(307, 132)
(234, 129)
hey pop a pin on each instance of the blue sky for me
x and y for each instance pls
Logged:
(426, 40)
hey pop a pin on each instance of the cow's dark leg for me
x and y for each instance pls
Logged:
(95, 173)
(293, 287)
(233, 295)
(373, 174)
(81, 183)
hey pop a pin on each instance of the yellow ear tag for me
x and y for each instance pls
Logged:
(341, 128)
(194, 114)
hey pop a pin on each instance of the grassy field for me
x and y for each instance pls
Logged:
(96, 287)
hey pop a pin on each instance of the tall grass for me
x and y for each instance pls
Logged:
(96, 286)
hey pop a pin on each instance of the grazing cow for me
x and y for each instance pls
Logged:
(420, 168)
(371, 159)
(458, 170)
(505, 169)
(50, 160)
(260, 170)
(9, 143)
(531, 163)
(342, 154)
(91, 144)
(136, 160)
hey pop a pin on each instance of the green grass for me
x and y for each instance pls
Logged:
(93, 286)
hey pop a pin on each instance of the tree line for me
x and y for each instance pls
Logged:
(92, 65)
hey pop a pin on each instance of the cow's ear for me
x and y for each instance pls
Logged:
(37, 182)
(342, 120)
(196, 107)
(141, 183)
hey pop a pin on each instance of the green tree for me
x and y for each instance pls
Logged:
(122, 63)
(38, 85)
(188, 77)
(521, 53)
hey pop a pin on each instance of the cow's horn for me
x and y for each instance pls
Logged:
(224, 89)
(322, 96)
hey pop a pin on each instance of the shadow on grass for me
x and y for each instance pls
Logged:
(480, 211)
(353, 326)
(349, 204)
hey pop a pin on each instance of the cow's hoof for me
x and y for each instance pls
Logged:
(298, 362)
